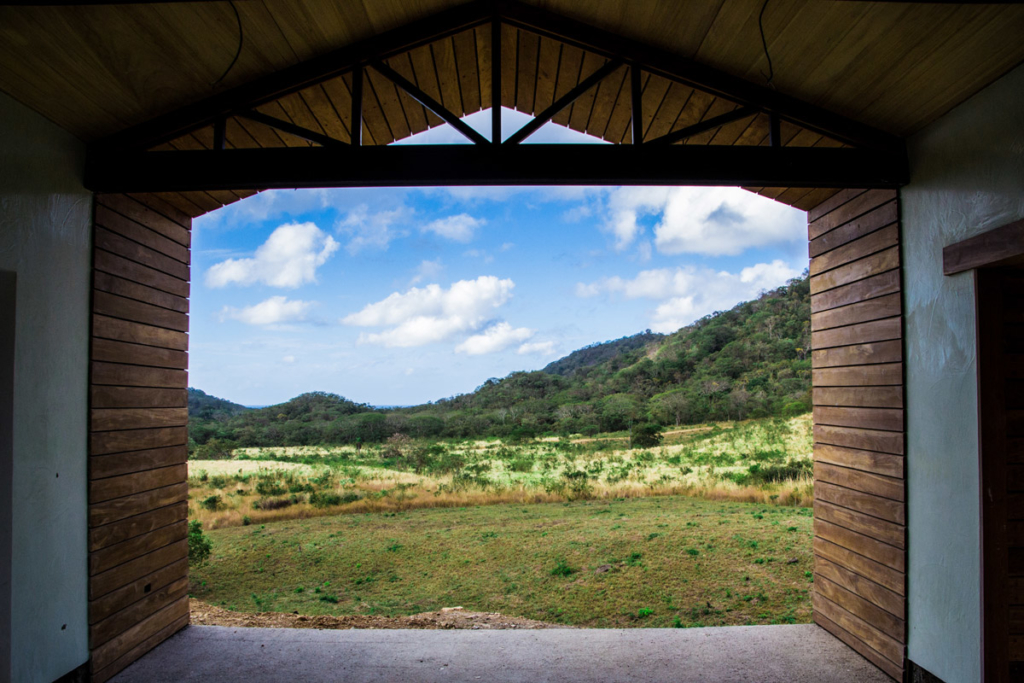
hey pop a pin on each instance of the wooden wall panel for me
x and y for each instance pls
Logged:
(138, 556)
(859, 472)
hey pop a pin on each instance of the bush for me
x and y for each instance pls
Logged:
(562, 568)
(324, 499)
(269, 487)
(791, 469)
(273, 503)
(212, 503)
(199, 545)
(645, 435)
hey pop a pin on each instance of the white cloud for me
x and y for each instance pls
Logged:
(459, 228)
(289, 258)
(699, 220)
(273, 311)
(688, 293)
(544, 348)
(373, 230)
(495, 338)
(288, 360)
(423, 315)
(427, 270)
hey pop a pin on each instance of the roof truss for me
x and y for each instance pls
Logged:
(195, 140)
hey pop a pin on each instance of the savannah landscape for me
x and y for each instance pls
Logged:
(657, 480)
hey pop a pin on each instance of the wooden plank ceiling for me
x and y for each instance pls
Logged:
(96, 70)
(455, 71)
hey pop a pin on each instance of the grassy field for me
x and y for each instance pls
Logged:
(762, 461)
(652, 562)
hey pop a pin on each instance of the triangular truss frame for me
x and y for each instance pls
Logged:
(127, 161)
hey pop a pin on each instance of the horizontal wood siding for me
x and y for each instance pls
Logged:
(138, 555)
(859, 474)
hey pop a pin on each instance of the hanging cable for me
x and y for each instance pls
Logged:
(238, 19)
(770, 76)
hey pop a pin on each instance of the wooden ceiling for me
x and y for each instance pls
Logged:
(95, 70)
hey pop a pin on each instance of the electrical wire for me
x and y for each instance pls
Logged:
(238, 19)
(770, 76)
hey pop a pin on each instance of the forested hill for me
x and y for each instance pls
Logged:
(203, 406)
(750, 361)
(595, 354)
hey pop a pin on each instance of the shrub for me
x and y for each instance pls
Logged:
(645, 435)
(323, 499)
(273, 503)
(791, 469)
(212, 503)
(269, 487)
(396, 446)
(562, 568)
(199, 545)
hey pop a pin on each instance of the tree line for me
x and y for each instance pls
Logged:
(750, 361)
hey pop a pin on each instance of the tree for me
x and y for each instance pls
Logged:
(646, 435)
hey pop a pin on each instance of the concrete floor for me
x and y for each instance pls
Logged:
(762, 654)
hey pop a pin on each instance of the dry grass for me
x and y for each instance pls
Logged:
(704, 462)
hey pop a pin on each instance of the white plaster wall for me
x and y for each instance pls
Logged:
(967, 176)
(45, 239)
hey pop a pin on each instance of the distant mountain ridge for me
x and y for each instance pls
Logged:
(750, 361)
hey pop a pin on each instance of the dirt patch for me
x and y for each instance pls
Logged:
(448, 618)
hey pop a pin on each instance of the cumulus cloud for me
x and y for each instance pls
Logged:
(423, 315)
(289, 258)
(544, 348)
(687, 293)
(373, 230)
(458, 228)
(699, 220)
(273, 311)
(495, 338)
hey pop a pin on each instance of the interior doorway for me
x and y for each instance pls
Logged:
(1000, 311)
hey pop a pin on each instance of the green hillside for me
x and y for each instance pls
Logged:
(750, 361)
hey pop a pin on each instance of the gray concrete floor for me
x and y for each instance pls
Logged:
(765, 654)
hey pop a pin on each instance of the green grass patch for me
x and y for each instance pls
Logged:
(556, 562)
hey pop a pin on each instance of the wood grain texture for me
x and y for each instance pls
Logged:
(891, 668)
(108, 512)
(117, 532)
(868, 461)
(858, 480)
(104, 327)
(859, 312)
(859, 441)
(859, 397)
(136, 397)
(111, 284)
(863, 333)
(138, 414)
(123, 597)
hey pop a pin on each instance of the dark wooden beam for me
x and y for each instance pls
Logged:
(292, 129)
(430, 103)
(1000, 246)
(677, 68)
(774, 130)
(563, 102)
(273, 86)
(704, 126)
(413, 165)
(496, 80)
(220, 134)
(636, 103)
(356, 132)
(449, 22)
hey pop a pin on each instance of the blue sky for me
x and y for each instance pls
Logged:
(402, 296)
